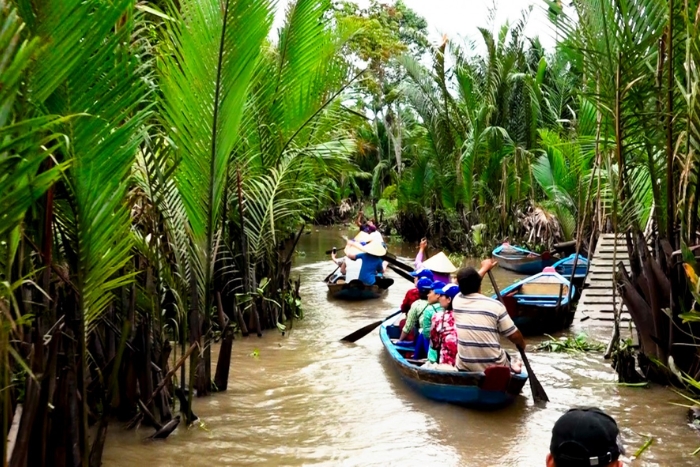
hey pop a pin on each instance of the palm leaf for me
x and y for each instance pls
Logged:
(210, 54)
(108, 92)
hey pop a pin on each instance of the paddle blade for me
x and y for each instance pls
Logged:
(401, 273)
(360, 333)
(391, 259)
(538, 392)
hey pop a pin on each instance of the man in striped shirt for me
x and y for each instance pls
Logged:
(480, 321)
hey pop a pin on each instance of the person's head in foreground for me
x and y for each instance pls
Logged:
(585, 436)
(435, 290)
(418, 275)
(468, 280)
(424, 285)
(447, 293)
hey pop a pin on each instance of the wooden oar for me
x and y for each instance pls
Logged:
(331, 274)
(362, 332)
(399, 264)
(538, 392)
(401, 273)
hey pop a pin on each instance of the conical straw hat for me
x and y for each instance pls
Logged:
(373, 247)
(363, 237)
(375, 236)
(439, 263)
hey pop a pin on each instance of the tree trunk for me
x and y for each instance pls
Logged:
(224, 364)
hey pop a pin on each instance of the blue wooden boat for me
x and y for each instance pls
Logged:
(356, 290)
(521, 260)
(541, 303)
(565, 267)
(494, 388)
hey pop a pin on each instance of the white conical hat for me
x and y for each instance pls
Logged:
(375, 236)
(363, 237)
(373, 247)
(439, 263)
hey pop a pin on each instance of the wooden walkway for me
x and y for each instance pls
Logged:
(596, 301)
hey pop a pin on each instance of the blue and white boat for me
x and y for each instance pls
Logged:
(541, 303)
(494, 388)
(565, 267)
(521, 260)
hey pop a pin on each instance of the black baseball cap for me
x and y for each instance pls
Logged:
(585, 436)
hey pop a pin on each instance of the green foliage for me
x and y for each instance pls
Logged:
(209, 58)
(580, 343)
(123, 132)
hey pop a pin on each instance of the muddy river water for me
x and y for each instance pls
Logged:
(307, 399)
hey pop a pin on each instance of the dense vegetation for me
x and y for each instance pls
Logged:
(473, 148)
(158, 162)
(599, 135)
(157, 166)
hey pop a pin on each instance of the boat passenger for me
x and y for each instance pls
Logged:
(371, 255)
(342, 267)
(423, 337)
(443, 335)
(585, 436)
(367, 226)
(479, 321)
(413, 318)
(439, 264)
(413, 295)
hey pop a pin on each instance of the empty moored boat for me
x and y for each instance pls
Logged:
(521, 260)
(565, 267)
(494, 388)
(541, 303)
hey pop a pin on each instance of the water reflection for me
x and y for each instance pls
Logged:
(307, 399)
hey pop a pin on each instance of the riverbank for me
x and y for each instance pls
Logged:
(307, 399)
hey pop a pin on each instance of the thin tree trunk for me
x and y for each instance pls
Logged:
(224, 364)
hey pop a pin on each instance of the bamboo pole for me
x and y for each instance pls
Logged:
(172, 371)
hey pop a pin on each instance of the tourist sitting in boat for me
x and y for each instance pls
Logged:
(371, 255)
(439, 264)
(443, 335)
(421, 309)
(413, 295)
(479, 321)
(423, 338)
(340, 262)
(585, 436)
(423, 286)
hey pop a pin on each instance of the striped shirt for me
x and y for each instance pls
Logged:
(479, 321)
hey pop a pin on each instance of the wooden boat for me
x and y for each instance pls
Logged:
(565, 267)
(494, 388)
(541, 303)
(521, 260)
(356, 290)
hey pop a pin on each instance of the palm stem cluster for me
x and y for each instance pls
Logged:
(157, 165)
(640, 61)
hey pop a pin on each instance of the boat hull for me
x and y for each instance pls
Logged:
(535, 303)
(354, 291)
(520, 260)
(460, 388)
(565, 267)
(535, 321)
(523, 265)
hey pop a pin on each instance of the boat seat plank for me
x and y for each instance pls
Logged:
(543, 289)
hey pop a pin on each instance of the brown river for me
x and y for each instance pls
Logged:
(307, 399)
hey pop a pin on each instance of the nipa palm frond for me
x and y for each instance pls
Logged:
(91, 71)
(24, 143)
(210, 54)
